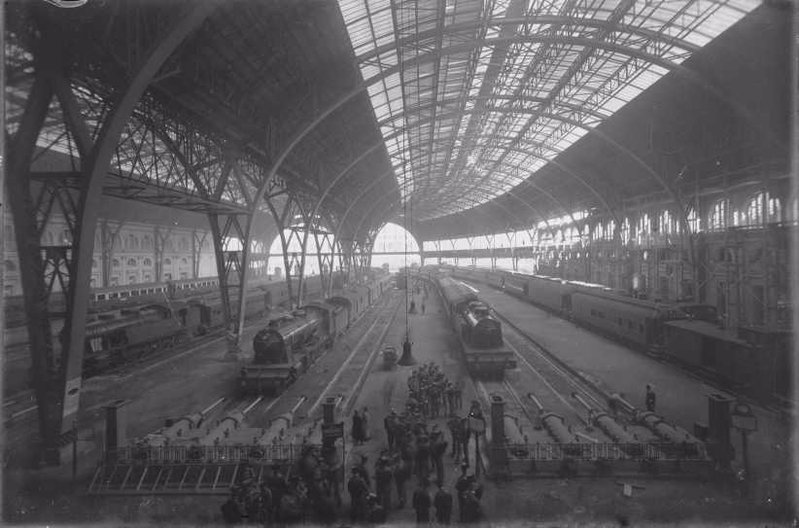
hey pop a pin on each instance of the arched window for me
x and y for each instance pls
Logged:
(131, 262)
(665, 222)
(774, 210)
(133, 242)
(167, 262)
(644, 226)
(9, 265)
(147, 242)
(610, 228)
(754, 209)
(115, 263)
(183, 262)
(169, 245)
(624, 231)
(132, 279)
(148, 262)
(148, 277)
(718, 215)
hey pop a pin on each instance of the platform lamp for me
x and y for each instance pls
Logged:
(407, 358)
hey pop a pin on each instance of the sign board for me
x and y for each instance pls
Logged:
(476, 425)
(335, 430)
(743, 422)
(743, 418)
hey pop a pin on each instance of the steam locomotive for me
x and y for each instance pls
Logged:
(635, 322)
(291, 343)
(480, 333)
(131, 334)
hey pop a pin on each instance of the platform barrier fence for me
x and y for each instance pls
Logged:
(262, 454)
(603, 451)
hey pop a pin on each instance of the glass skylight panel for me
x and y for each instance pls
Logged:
(603, 85)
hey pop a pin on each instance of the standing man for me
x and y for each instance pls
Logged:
(402, 470)
(437, 450)
(390, 424)
(358, 491)
(462, 487)
(383, 479)
(422, 502)
(443, 504)
(650, 399)
(456, 433)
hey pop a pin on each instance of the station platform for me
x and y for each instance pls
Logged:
(188, 383)
(681, 397)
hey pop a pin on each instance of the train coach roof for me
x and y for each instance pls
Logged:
(455, 291)
(706, 329)
(611, 296)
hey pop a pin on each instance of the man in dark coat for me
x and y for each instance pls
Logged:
(358, 492)
(461, 487)
(422, 502)
(456, 432)
(437, 450)
(383, 480)
(402, 471)
(390, 424)
(422, 456)
(443, 504)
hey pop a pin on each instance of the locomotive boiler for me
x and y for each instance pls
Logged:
(284, 350)
(480, 333)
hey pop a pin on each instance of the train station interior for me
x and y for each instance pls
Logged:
(397, 262)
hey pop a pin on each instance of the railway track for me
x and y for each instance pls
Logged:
(349, 378)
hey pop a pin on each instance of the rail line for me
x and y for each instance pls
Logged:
(373, 338)
(560, 377)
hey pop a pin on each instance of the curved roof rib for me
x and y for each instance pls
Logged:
(471, 94)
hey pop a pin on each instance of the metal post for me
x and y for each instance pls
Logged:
(745, 454)
(74, 451)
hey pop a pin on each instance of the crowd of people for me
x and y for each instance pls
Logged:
(409, 471)
(415, 452)
(307, 490)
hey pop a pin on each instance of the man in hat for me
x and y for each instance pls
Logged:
(461, 487)
(422, 455)
(402, 471)
(456, 432)
(360, 468)
(422, 502)
(390, 424)
(443, 504)
(437, 450)
(358, 492)
(383, 479)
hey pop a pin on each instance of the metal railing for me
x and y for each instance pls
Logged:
(263, 454)
(603, 451)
